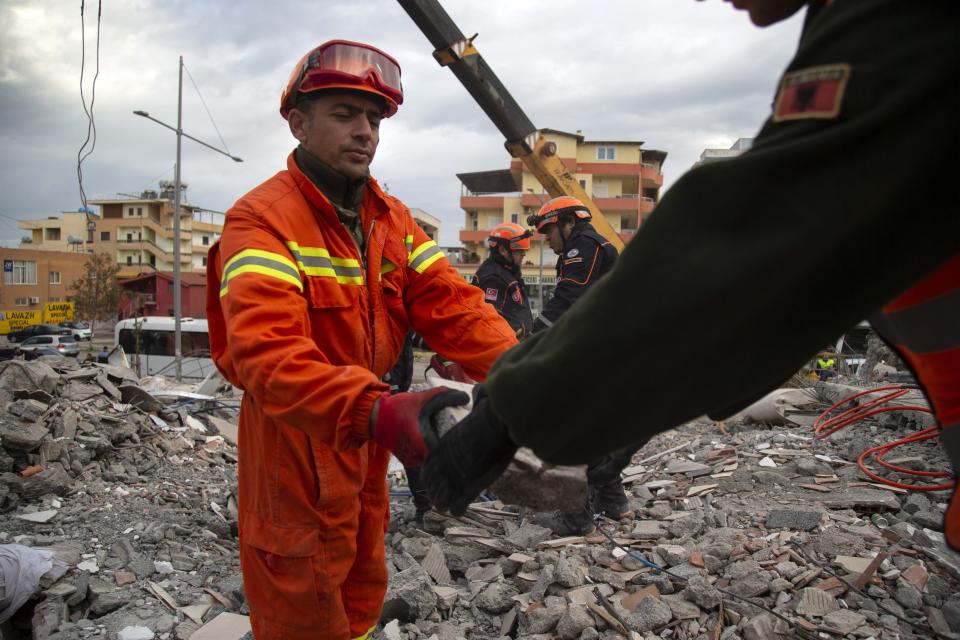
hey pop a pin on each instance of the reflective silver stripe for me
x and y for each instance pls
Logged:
(931, 326)
(317, 261)
(425, 255)
(545, 320)
(260, 262)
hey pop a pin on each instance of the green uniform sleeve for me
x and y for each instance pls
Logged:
(750, 265)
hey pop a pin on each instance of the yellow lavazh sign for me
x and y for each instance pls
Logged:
(17, 320)
(56, 312)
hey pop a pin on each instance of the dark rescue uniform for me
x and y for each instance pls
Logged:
(586, 257)
(848, 194)
(503, 287)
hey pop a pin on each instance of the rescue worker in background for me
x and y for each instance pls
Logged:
(104, 356)
(311, 290)
(729, 248)
(583, 254)
(583, 257)
(825, 366)
(500, 276)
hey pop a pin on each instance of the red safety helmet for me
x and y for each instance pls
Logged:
(550, 212)
(341, 64)
(511, 234)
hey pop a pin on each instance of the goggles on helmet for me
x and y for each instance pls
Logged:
(346, 65)
(550, 212)
(515, 236)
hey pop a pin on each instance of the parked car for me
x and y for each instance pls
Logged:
(37, 330)
(81, 330)
(64, 345)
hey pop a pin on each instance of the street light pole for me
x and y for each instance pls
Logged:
(177, 314)
(177, 344)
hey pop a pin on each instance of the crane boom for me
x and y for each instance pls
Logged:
(523, 140)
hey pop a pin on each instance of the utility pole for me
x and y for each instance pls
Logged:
(177, 311)
(177, 343)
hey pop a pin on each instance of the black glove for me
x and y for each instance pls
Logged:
(468, 458)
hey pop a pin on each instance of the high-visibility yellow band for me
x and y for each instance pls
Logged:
(367, 635)
(260, 262)
(317, 261)
(423, 256)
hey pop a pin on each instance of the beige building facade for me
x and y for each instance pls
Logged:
(33, 277)
(623, 178)
(137, 231)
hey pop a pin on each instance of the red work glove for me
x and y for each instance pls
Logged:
(400, 420)
(448, 370)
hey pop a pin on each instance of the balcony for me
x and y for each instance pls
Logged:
(149, 245)
(651, 175)
(470, 235)
(483, 201)
(624, 202)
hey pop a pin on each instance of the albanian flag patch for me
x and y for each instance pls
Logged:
(814, 92)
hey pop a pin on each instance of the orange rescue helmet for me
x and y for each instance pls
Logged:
(550, 212)
(342, 64)
(511, 234)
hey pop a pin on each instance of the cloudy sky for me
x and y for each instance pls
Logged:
(680, 75)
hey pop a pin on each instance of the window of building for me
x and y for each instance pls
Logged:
(514, 218)
(21, 302)
(204, 260)
(606, 153)
(205, 240)
(104, 236)
(52, 233)
(54, 277)
(583, 184)
(19, 272)
(129, 237)
(129, 259)
(140, 211)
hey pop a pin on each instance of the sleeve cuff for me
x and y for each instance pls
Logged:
(360, 426)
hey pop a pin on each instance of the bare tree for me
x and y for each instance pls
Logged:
(96, 293)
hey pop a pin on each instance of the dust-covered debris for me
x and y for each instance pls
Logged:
(751, 513)
(134, 502)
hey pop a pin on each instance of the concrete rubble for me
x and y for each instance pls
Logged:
(132, 491)
(132, 494)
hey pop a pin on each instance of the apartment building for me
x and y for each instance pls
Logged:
(713, 155)
(623, 178)
(32, 278)
(137, 230)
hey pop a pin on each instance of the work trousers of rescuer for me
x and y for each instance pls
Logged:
(331, 590)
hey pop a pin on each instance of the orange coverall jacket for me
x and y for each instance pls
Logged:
(307, 326)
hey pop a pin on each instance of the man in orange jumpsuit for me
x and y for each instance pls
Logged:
(311, 289)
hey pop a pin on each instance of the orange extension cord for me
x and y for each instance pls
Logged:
(824, 427)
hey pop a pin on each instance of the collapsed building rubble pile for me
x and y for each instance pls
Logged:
(758, 510)
(132, 496)
(120, 503)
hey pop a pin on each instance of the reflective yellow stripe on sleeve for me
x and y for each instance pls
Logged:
(317, 261)
(265, 263)
(408, 240)
(423, 256)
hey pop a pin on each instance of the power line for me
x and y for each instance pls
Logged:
(204, 103)
(91, 125)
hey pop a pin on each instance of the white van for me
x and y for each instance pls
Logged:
(149, 345)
